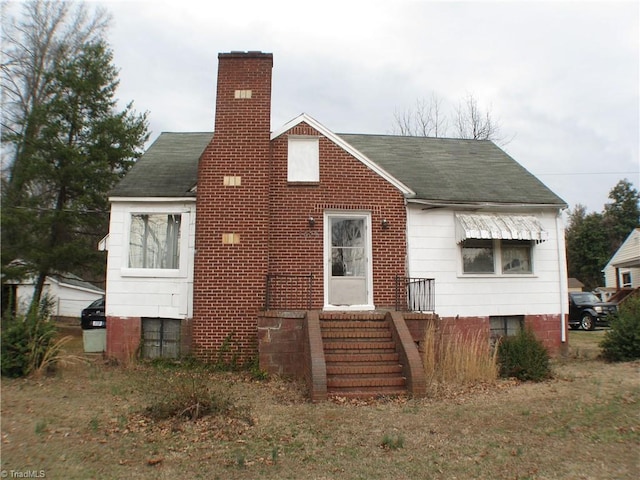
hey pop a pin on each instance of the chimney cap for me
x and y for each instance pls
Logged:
(243, 54)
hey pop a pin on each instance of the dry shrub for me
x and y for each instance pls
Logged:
(457, 356)
(29, 344)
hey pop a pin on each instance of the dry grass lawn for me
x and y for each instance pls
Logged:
(89, 421)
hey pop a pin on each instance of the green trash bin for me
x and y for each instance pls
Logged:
(94, 327)
(95, 340)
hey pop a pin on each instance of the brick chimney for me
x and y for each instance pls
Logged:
(232, 209)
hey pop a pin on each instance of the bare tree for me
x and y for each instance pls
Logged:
(43, 34)
(427, 120)
(38, 37)
(472, 123)
(469, 121)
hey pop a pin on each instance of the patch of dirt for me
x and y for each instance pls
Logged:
(89, 421)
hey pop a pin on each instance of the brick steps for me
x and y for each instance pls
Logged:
(361, 358)
(356, 333)
(367, 368)
(360, 345)
(374, 392)
(364, 381)
(331, 357)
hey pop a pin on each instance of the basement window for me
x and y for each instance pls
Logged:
(505, 326)
(303, 160)
(160, 338)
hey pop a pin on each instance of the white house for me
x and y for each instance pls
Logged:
(623, 270)
(206, 224)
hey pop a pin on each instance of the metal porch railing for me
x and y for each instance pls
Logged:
(288, 292)
(415, 294)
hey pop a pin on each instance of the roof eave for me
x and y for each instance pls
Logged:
(152, 199)
(427, 203)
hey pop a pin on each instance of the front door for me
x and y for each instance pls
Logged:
(348, 253)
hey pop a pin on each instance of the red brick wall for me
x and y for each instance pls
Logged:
(345, 184)
(271, 216)
(281, 340)
(546, 327)
(123, 338)
(229, 278)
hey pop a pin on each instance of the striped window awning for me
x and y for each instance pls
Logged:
(499, 226)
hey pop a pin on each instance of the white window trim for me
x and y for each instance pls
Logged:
(497, 264)
(180, 272)
(327, 259)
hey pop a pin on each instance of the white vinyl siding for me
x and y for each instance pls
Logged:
(150, 292)
(628, 254)
(433, 253)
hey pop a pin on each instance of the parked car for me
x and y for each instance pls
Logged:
(93, 316)
(586, 311)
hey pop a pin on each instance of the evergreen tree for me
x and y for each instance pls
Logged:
(593, 238)
(587, 246)
(623, 214)
(82, 147)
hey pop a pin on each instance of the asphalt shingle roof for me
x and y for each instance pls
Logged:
(436, 169)
(169, 167)
(454, 170)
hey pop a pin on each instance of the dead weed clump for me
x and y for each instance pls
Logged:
(458, 357)
(186, 394)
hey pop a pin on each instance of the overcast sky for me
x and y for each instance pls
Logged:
(562, 78)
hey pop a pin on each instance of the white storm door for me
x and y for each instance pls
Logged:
(348, 261)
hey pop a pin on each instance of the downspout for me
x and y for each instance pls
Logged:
(562, 276)
(407, 263)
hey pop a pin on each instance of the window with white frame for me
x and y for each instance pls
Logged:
(516, 256)
(478, 256)
(482, 256)
(303, 159)
(154, 241)
(626, 280)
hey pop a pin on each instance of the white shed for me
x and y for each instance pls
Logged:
(70, 294)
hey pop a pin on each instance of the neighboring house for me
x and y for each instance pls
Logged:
(623, 270)
(210, 231)
(575, 285)
(605, 293)
(68, 292)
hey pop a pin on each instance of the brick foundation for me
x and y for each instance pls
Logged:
(123, 338)
(547, 329)
(281, 343)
